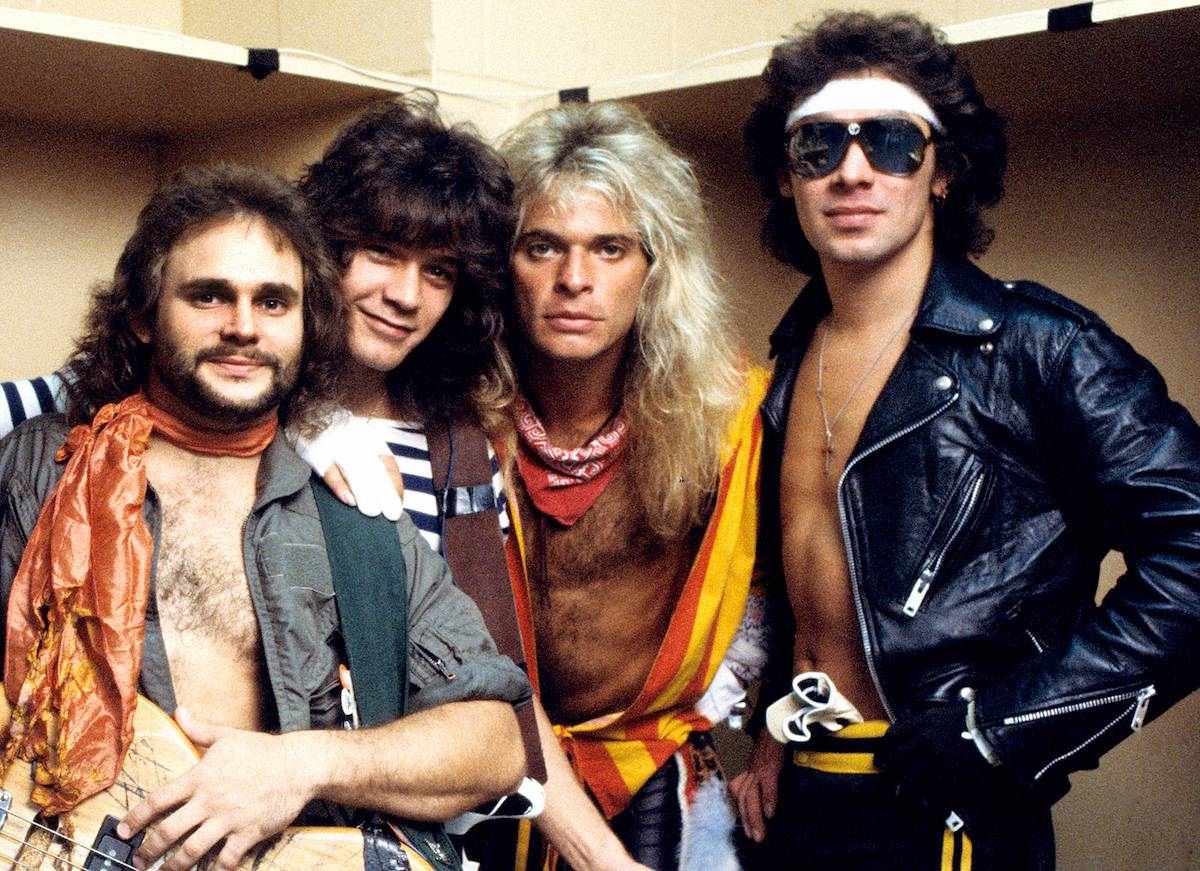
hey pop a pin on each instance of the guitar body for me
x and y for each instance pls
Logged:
(160, 752)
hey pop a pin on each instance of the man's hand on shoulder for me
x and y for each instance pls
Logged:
(246, 788)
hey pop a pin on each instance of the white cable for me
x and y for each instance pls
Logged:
(521, 95)
(416, 83)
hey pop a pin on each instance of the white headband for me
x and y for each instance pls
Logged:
(858, 94)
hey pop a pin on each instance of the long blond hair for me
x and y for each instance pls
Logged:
(683, 376)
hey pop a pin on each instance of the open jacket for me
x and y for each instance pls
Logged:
(615, 754)
(1016, 442)
(451, 656)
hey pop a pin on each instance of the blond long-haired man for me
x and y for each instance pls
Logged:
(633, 455)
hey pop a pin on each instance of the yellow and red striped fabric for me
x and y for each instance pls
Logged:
(616, 754)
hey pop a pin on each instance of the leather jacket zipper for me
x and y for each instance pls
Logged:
(1136, 711)
(859, 609)
(933, 564)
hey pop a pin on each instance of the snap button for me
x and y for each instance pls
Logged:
(944, 382)
(1009, 285)
(986, 324)
(986, 348)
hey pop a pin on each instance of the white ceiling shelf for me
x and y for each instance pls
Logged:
(107, 77)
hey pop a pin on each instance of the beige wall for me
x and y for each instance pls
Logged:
(283, 147)
(68, 201)
(393, 36)
(566, 43)
(159, 14)
(1087, 214)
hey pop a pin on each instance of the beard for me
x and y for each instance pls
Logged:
(180, 373)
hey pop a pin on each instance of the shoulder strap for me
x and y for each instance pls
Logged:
(369, 580)
(471, 543)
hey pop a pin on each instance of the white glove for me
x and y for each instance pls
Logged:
(722, 694)
(813, 701)
(356, 448)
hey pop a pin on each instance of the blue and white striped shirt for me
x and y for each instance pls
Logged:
(410, 447)
(25, 399)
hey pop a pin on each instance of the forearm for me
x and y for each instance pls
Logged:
(431, 765)
(571, 822)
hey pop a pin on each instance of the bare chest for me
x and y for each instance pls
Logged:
(200, 583)
(603, 592)
(205, 612)
(825, 420)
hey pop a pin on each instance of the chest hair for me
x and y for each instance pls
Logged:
(201, 588)
(608, 563)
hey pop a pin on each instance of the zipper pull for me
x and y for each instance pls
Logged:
(1143, 705)
(917, 595)
(433, 659)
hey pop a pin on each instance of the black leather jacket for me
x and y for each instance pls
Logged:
(1016, 442)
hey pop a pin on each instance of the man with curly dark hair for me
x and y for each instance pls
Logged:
(400, 192)
(950, 457)
(171, 545)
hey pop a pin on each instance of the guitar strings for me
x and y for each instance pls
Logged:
(17, 863)
(56, 858)
(34, 824)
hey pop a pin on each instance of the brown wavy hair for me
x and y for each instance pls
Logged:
(971, 153)
(399, 173)
(110, 362)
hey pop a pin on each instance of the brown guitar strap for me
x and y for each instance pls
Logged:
(471, 544)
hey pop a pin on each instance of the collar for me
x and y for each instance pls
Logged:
(959, 298)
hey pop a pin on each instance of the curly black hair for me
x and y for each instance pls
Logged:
(397, 173)
(110, 362)
(971, 152)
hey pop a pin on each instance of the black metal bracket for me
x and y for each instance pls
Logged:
(1074, 17)
(262, 62)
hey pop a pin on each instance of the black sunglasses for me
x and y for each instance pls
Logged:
(892, 145)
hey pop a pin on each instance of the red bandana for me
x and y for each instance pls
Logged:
(564, 483)
(76, 615)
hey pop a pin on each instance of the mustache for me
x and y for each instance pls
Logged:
(253, 354)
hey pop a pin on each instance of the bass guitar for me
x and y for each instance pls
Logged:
(161, 752)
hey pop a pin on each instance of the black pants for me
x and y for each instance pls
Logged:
(650, 826)
(854, 822)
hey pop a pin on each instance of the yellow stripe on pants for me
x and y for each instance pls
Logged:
(948, 839)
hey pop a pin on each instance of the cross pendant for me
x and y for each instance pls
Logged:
(828, 456)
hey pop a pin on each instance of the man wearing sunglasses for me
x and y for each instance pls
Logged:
(950, 456)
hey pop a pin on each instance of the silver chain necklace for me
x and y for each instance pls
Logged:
(826, 422)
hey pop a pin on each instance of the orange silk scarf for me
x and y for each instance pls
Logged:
(77, 610)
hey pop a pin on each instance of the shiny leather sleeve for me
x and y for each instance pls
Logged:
(1126, 466)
